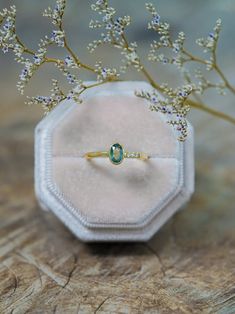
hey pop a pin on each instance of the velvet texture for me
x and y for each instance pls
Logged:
(100, 191)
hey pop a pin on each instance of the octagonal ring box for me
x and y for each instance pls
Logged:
(99, 201)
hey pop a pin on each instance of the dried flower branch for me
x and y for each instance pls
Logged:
(181, 56)
(33, 60)
(114, 34)
(173, 103)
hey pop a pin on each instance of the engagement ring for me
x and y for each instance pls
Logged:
(116, 154)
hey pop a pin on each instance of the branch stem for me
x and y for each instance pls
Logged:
(211, 111)
(193, 58)
(73, 54)
(76, 59)
(85, 87)
(225, 80)
(214, 66)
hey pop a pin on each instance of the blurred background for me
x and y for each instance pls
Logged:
(214, 138)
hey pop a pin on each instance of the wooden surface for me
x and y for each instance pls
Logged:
(188, 267)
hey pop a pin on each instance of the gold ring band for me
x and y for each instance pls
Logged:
(116, 154)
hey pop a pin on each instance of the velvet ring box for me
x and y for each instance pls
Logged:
(99, 201)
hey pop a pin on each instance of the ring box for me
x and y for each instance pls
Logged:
(99, 201)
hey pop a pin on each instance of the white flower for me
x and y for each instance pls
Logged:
(105, 74)
(37, 60)
(18, 50)
(99, 2)
(58, 37)
(70, 63)
(57, 13)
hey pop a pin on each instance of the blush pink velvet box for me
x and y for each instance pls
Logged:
(99, 201)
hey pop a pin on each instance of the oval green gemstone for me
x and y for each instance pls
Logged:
(116, 154)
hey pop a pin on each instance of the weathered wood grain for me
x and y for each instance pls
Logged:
(188, 267)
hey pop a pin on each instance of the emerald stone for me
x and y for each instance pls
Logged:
(116, 154)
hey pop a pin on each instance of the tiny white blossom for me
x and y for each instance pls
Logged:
(56, 14)
(105, 73)
(58, 37)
